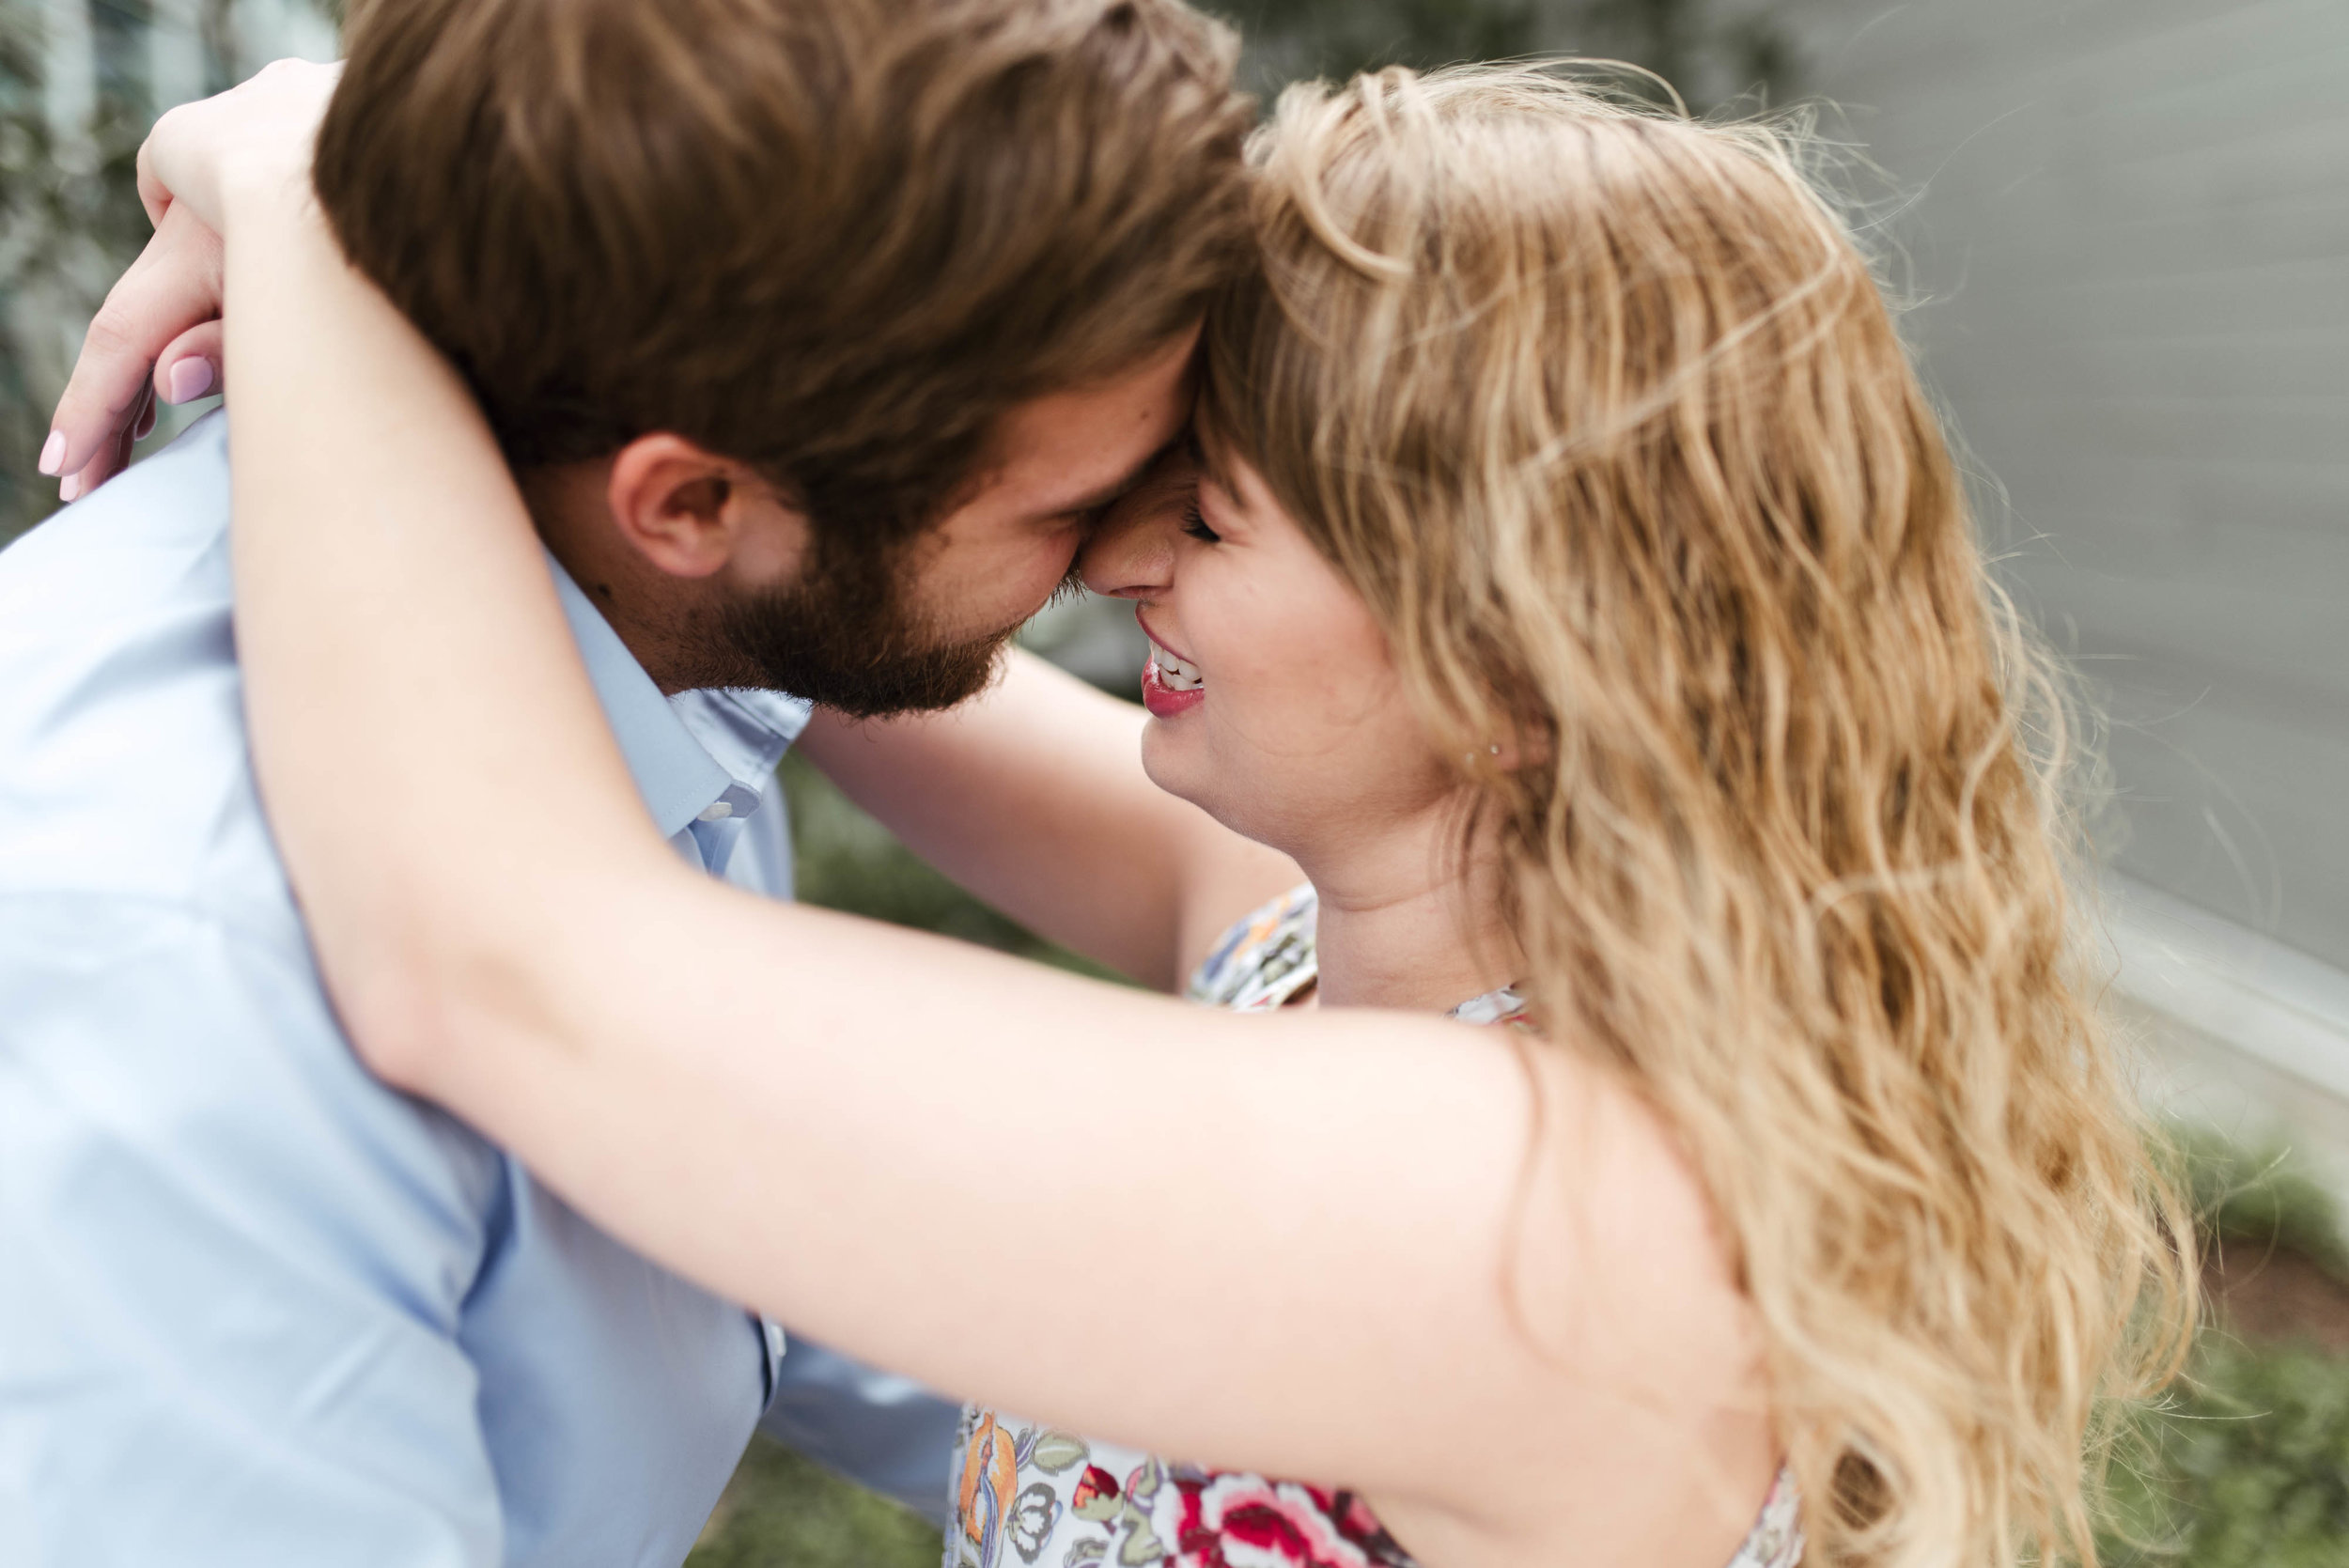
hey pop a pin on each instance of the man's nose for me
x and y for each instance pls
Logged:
(1131, 554)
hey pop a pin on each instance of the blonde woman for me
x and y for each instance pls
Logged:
(1580, 590)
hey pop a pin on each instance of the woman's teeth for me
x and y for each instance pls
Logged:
(1177, 676)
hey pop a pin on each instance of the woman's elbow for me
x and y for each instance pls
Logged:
(392, 1010)
(412, 1005)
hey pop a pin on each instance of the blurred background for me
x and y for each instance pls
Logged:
(2119, 229)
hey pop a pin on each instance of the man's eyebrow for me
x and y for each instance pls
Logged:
(1114, 488)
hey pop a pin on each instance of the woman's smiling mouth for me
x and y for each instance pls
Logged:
(1170, 684)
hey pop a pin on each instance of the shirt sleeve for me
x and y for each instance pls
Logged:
(231, 1265)
(882, 1431)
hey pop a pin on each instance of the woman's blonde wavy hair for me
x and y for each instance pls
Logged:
(1603, 412)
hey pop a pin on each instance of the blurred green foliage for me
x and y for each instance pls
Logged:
(2257, 1196)
(2245, 1462)
(2247, 1467)
(781, 1510)
(70, 220)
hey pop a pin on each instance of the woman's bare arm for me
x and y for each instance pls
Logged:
(1033, 798)
(1279, 1243)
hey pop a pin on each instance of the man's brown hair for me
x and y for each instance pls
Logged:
(834, 240)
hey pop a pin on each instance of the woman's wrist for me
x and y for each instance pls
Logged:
(269, 197)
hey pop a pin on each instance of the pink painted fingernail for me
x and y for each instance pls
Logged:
(69, 487)
(191, 379)
(52, 454)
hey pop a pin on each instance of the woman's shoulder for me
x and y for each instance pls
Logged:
(1264, 959)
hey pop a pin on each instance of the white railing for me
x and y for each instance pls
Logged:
(2250, 992)
(2239, 1031)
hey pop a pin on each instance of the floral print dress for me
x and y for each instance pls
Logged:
(1029, 1497)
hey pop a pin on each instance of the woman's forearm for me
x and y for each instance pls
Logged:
(1033, 798)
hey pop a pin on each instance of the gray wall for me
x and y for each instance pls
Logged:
(2132, 221)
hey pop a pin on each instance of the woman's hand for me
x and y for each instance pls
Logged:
(158, 337)
(252, 143)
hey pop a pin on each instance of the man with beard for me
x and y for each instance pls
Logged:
(818, 330)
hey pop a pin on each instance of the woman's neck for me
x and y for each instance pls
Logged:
(1408, 920)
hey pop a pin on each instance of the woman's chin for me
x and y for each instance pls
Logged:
(1175, 761)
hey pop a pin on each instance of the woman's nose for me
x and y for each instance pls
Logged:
(1131, 553)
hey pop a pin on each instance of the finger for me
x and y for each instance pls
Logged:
(175, 285)
(102, 398)
(93, 406)
(100, 468)
(134, 430)
(189, 364)
(94, 473)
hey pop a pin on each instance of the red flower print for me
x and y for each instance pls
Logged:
(1245, 1521)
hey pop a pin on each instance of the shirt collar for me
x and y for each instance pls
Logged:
(688, 754)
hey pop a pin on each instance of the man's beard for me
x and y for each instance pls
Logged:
(843, 637)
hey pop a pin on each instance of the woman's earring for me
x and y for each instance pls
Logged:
(1494, 748)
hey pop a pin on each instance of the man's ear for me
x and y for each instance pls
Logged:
(690, 512)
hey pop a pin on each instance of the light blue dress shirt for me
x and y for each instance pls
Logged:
(254, 1307)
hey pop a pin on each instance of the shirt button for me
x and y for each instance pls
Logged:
(718, 813)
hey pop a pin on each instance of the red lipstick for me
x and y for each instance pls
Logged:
(1162, 700)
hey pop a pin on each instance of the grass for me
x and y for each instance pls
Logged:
(781, 1510)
